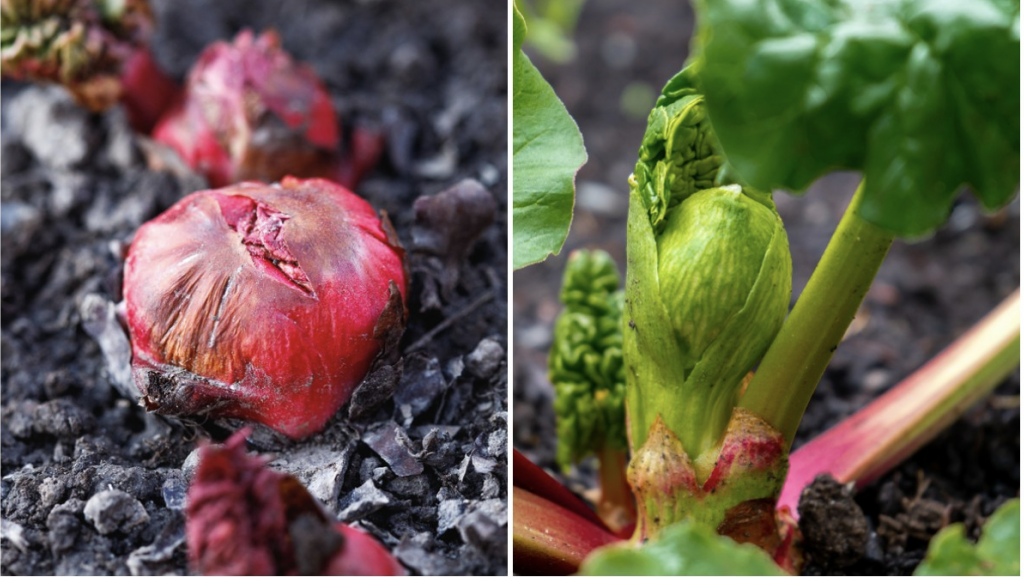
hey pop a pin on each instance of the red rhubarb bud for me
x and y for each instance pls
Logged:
(245, 519)
(250, 112)
(263, 303)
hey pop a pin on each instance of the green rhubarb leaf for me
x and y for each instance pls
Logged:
(547, 151)
(997, 551)
(682, 549)
(922, 96)
(585, 361)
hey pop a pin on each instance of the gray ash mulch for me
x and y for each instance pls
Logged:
(926, 294)
(91, 483)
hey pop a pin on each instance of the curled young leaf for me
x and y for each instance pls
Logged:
(585, 361)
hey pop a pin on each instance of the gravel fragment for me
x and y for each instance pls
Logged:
(415, 551)
(62, 419)
(836, 527)
(366, 499)
(115, 510)
(57, 131)
(392, 443)
(174, 492)
(421, 383)
(14, 533)
(486, 358)
(64, 524)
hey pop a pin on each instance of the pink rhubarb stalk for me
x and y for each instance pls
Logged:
(548, 539)
(882, 434)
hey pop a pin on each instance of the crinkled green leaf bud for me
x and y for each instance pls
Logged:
(585, 361)
(708, 282)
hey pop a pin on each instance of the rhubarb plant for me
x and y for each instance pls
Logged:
(912, 94)
(586, 369)
(98, 49)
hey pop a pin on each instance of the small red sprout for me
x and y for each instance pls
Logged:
(267, 303)
(245, 519)
(250, 112)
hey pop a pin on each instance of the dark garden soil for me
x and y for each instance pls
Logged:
(426, 471)
(926, 294)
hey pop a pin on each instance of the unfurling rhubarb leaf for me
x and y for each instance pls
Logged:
(707, 288)
(585, 361)
(547, 151)
(996, 553)
(98, 49)
(586, 369)
(686, 548)
(243, 518)
(922, 96)
(250, 112)
(263, 303)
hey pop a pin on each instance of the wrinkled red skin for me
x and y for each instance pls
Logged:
(260, 302)
(251, 113)
(241, 519)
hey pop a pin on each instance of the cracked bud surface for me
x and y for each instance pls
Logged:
(262, 303)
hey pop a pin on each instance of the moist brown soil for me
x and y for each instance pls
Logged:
(425, 472)
(927, 293)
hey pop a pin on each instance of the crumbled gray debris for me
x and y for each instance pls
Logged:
(157, 558)
(392, 443)
(174, 492)
(14, 533)
(114, 510)
(64, 524)
(421, 383)
(415, 551)
(321, 469)
(61, 418)
(364, 500)
(449, 511)
(57, 131)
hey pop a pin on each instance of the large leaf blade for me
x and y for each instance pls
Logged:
(547, 152)
(922, 96)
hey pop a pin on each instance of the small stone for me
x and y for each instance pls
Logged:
(62, 419)
(51, 491)
(14, 533)
(834, 527)
(449, 512)
(190, 464)
(114, 510)
(485, 359)
(64, 525)
(174, 492)
(364, 500)
(392, 443)
(57, 131)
